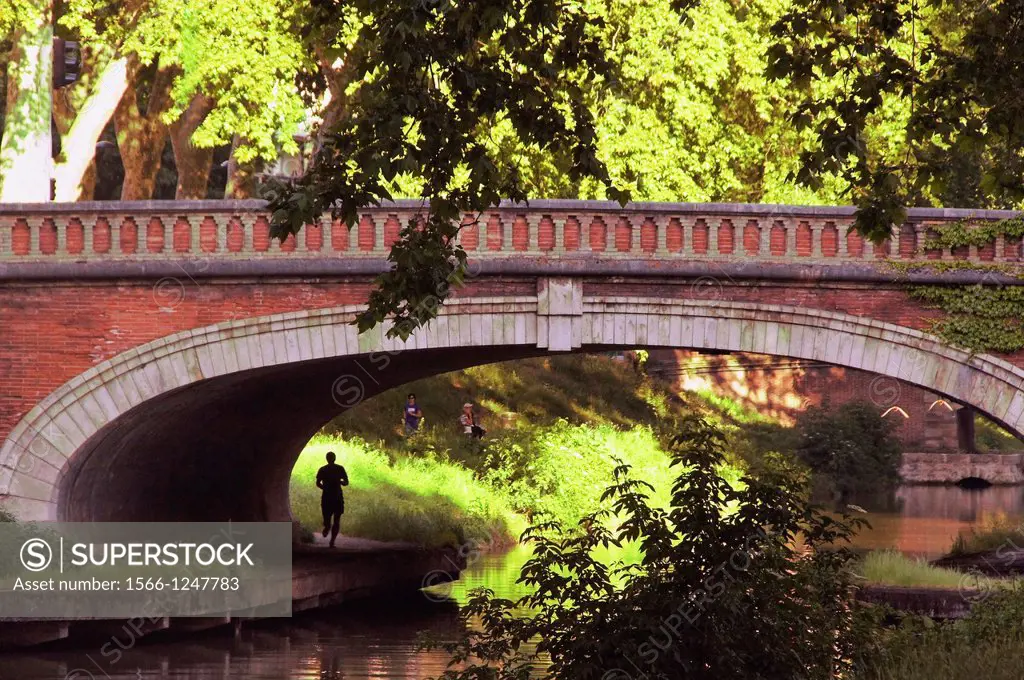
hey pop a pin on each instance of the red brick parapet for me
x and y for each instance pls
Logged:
(239, 230)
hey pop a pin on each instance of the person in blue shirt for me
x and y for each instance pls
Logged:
(413, 415)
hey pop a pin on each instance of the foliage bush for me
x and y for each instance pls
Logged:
(765, 447)
(850, 449)
(720, 591)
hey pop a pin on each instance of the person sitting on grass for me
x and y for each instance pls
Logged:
(329, 479)
(413, 415)
(469, 422)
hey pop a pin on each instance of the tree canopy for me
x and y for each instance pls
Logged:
(205, 73)
(911, 103)
(466, 104)
(885, 104)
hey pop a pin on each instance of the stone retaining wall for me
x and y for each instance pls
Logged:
(950, 468)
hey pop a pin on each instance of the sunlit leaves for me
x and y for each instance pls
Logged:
(15, 14)
(908, 101)
(435, 79)
(248, 54)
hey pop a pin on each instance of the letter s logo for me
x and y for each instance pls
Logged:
(36, 554)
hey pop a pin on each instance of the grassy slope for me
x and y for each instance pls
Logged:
(544, 417)
(991, 438)
(403, 500)
(582, 389)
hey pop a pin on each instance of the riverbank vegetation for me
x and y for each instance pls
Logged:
(850, 448)
(416, 499)
(845, 451)
(990, 438)
(721, 590)
(994, 532)
(986, 644)
(767, 591)
(893, 568)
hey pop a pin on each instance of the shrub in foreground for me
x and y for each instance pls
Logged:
(720, 591)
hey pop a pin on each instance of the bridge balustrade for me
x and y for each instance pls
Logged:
(164, 230)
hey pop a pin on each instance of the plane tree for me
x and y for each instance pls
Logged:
(25, 145)
(203, 73)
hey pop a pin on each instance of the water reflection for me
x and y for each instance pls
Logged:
(369, 641)
(924, 520)
(378, 639)
(964, 505)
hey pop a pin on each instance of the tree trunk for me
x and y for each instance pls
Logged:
(338, 77)
(78, 146)
(241, 176)
(141, 136)
(26, 149)
(64, 111)
(193, 163)
(88, 192)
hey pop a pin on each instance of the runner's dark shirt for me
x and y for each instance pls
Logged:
(332, 476)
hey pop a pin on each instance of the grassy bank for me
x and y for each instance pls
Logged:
(579, 389)
(938, 655)
(557, 471)
(994, 532)
(557, 428)
(987, 644)
(416, 499)
(990, 438)
(893, 568)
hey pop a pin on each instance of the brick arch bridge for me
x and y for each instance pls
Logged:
(165, 361)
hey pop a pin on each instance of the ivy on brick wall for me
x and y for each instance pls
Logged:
(978, 317)
(965, 233)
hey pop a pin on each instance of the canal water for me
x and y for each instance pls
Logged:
(379, 639)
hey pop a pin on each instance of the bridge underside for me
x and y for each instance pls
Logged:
(223, 449)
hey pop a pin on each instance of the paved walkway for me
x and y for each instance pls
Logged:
(351, 544)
